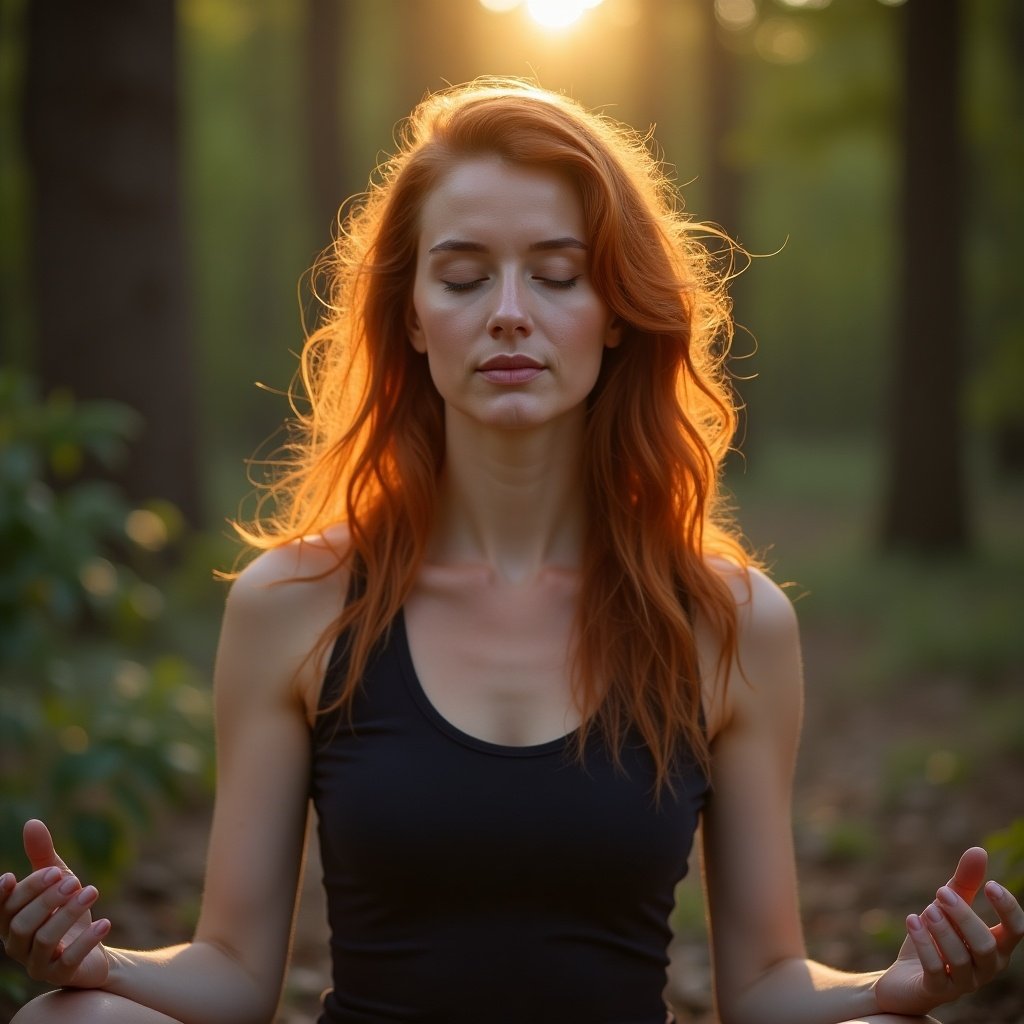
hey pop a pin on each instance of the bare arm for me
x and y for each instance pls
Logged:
(233, 970)
(762, 973)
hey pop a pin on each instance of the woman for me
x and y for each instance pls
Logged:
(503, 633)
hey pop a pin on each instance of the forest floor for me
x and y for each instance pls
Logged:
(913, 749)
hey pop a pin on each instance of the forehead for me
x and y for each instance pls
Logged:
(487, 195)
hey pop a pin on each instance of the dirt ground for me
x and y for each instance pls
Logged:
(883, 809)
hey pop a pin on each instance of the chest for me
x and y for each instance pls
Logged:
(407, 794)
(496, 662)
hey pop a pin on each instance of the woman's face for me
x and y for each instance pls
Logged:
(503, 305)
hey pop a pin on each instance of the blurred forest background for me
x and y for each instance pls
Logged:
(168, 173)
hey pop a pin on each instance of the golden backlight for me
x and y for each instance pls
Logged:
(548, 13)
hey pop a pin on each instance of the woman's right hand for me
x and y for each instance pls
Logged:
(45, 921)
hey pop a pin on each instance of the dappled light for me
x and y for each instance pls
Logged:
(145, 528)
(783, 41)
(807, 5)
(736, 14)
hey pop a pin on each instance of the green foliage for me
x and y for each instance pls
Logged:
(849, 841)
(97, 731)
(885, 930)
(996, 390)
(916, 767)
(1007, 849)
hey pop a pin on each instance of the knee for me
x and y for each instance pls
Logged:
(86, 1007)
(44, 1008)
(891, 1018)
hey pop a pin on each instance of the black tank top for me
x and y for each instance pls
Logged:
(472, 882)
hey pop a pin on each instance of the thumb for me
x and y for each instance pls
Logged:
(39, 846)
(970, 874)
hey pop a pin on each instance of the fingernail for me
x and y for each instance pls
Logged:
(101, 927)
(996, 891)
(68, 886)
(87, 895)
(947, 896)
(5, 880)
(934, 914)
(52, 875)
(914, 923)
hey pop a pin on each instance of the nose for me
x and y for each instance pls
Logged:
(510, 315)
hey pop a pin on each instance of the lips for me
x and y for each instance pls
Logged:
(510, 368)
(511, 361)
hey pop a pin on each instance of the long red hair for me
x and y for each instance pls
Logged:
(369, 439)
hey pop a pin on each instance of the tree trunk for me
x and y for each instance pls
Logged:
(330, 181)
(1009, 426)
(926, 501)
(110, 316)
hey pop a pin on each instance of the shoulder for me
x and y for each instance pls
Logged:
(280, 607)
(302, 567)
(764, 671)
(764, 613)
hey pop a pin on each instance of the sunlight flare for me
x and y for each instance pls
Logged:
(558, 13)
(553, 14)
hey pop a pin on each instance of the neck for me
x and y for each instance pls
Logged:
(511, 500)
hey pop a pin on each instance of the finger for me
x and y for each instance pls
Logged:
(970, 873)
(954, 952)
(932, 964)
(25, 891)
(72, 957)
(974, 933)
(47, 944)
(27, 921)
(39, 846)
(1009, 932)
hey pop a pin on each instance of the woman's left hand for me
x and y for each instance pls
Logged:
(949, 950)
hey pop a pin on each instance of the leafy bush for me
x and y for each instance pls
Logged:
(98, 730)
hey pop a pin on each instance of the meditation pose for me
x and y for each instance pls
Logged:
(504, 636)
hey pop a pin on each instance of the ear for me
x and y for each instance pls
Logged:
(414, 330)
(613, 335)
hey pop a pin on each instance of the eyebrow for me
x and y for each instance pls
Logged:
(458, 245)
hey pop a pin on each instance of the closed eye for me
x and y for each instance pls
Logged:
(554, 282)
(462, 286)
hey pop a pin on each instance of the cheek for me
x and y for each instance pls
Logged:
(443, 344)
(588, 333)
(448, 334)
